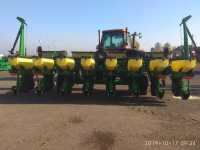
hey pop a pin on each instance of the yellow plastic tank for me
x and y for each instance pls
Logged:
(66, 63)
(41, 63)
(183, 65)
(111, 64)
(87, 63)
(158, 64)
(134, 64)
(17, 62)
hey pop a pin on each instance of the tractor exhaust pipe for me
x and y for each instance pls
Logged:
(126, 30)
(99, 36)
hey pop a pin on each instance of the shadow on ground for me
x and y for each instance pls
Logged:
(98, 98)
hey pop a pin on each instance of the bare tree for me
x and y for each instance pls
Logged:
(158, 47)
(168, 45)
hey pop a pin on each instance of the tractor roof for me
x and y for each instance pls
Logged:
(115, 30)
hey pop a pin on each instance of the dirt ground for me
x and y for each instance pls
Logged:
(74, 122)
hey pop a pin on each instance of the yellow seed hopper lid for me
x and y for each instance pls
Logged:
(87, 63)
(134, 64)
(17, 62)
(183, 65)
(41, 63)
(66, 63)
(158, 64)
(111, 64)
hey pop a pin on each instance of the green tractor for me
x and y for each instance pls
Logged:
(117, 61)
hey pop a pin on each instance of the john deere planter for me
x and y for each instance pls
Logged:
(117, 61)
(158, 70)
(182, 66)
(181, 74)
(110, 75)
(137, 79)
(87, 74)
(44, 72)
(21, 66)
(65, 75)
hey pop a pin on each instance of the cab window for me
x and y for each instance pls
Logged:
(113, 40)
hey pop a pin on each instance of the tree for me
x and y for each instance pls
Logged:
(168, 45)
(158, 47)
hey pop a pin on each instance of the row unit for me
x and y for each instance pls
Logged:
(111, 64)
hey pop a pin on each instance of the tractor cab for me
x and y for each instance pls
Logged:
(117, 42)
(118, 39)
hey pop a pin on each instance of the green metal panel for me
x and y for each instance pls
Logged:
(186, 48)
(22, 52)
(186, 51)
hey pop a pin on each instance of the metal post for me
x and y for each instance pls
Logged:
(21, 44)
(186, 46)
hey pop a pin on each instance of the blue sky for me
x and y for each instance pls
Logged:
(73, 25)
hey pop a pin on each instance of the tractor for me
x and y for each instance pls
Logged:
(117, 61)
